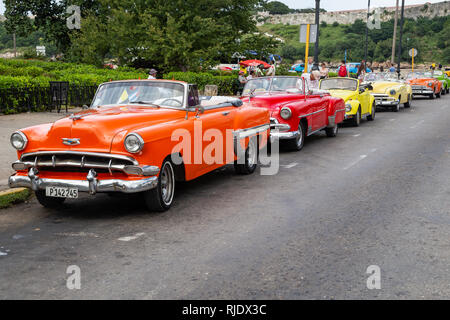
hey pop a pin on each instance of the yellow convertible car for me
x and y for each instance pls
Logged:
(358, 101)
(388, 91)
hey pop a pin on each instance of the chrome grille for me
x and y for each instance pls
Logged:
(76, 161)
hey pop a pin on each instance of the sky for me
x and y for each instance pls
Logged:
(329, 5)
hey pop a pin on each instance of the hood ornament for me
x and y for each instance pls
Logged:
(71, 141)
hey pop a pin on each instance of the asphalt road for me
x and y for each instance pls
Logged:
(374, 195)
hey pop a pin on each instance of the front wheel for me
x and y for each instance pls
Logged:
(396, 108)
(357, 118)
(160, 198)
(371, 116)
(408, 103)
(297, 143)
(48, 202)
(250, 159)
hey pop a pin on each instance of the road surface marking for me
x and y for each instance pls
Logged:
(357, 135)
(418, 123)
(129, 238)
(391, 119)
(361, 157)
(77, 234)
(291, 165)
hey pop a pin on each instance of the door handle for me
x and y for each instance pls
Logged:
(225, 113)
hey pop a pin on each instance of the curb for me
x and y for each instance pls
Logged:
(13, 196)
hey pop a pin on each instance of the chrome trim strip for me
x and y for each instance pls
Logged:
(305, 115)
(244, 133)
(310, 133)
(110, 185)
(79, 153)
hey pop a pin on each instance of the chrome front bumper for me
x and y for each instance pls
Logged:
(422, 92)
(278, 131)
(91, 184)
(380, 102)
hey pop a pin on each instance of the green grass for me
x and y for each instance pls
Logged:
(8, 200)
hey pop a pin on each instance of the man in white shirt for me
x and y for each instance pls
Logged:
(312, 79)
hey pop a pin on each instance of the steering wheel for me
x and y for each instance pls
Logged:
(172, 99)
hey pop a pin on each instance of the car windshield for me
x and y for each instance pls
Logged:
(156, 93)
(416, 75)
(374, 77)
(339, 84)
(262, 85)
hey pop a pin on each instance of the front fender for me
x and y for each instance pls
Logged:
(355, 105)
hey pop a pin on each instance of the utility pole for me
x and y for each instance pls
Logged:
(394, 37)
(316, 48)
(401, 36)
(367, 36)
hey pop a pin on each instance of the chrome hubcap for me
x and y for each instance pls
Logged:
(252, 153)
(300, 137)
(167, 183)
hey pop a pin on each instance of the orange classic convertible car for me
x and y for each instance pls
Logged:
(138, 136)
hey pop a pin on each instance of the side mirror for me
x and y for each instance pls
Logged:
(236, 103)
(199, 110)
(85, 107)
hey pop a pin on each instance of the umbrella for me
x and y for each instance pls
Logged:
(255, 63)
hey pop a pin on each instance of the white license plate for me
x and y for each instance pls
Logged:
(61, 192)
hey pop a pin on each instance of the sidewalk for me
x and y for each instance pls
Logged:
(11, 123)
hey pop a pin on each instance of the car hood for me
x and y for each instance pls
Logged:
(344, 94)
(96, 128)
(384, 86)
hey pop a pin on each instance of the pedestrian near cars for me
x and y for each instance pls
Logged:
(323, 71)
(342, 71)
(152, 74)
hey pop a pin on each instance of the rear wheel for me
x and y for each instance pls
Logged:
(48, 202)
(332, 132)
(297, 143)
(371, 116)
(160, 198)
(408, 103)
(250, 159)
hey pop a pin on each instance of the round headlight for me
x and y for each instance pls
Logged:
(348, 107)
(392, 92)
(134, 143)
(18, 140)
(430, 84)
(286, 113)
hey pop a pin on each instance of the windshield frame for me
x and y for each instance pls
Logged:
(270, 79)
(183, 106)
(338, 78)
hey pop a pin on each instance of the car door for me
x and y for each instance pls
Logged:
(213, 122)
(364, 99)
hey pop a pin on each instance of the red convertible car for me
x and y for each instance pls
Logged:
(295, 110)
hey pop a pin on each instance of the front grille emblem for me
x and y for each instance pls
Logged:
(71, 141)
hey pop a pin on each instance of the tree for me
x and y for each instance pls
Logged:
(171, 35)
(276, 7)
(49, 17)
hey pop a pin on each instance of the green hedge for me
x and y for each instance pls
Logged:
(227, 85)
(19, 72)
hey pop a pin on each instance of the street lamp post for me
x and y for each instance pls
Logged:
(367, 36)
(316, 47)
(401, 36)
